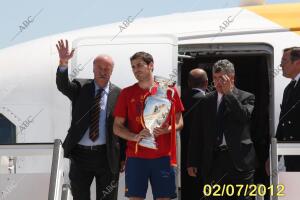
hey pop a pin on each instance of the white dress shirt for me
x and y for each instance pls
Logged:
(297, 79)
(200, 90)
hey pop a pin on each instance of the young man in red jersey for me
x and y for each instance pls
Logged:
(145, 164)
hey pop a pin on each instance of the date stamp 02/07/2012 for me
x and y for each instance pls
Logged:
(243, 190)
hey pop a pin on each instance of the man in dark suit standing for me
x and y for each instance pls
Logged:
(90, 144)
(197, 83)
(288, 129)
(221, 132)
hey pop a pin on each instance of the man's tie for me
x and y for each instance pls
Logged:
(95, 115)
(292, 84)
(290, 89)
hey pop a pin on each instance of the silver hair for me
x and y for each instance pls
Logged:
(104, 56)
(223, 66)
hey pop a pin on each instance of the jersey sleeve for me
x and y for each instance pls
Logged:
(178, 103)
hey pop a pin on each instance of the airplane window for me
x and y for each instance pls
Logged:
(7, 131)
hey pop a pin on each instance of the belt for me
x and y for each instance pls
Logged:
(92, 148)
(221, 148)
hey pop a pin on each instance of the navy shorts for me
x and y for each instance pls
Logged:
(139, 171)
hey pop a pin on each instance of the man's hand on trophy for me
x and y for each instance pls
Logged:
(63, 51)
(164, 129)
(141, 135)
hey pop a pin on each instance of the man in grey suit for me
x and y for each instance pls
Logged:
(220, 131)
(90, 144)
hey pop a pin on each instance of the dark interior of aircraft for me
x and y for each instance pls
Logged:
(252, 75)
(7, 131)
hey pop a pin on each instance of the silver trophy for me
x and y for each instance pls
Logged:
(156, 109)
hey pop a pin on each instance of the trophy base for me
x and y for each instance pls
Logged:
(148, 143)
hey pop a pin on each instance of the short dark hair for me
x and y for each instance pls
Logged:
(147, 57)
(223, 66)
(295, 53)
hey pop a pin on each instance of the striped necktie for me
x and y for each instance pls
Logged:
(95, 115)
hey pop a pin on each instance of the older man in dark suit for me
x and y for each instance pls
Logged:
(92, 147)
(197, 83)
(220, 131)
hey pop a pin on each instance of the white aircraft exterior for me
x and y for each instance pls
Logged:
(31, 102)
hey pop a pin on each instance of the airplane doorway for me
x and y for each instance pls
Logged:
(254, 68)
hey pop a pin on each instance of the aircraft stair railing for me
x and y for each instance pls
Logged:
(285, 184)
(33, 171)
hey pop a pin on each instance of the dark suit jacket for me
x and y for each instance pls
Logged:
(189, 100)
(81, 93)
(237, 121)
(288, 128)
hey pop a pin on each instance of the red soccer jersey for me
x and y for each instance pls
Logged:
(130, 106)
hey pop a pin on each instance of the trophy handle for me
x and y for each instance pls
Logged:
(172, 91)
(150, 90)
